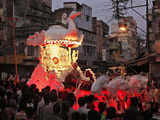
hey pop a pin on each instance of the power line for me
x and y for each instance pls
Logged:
(147, 27)
(138, 13)
(136, 6)
(141, 29)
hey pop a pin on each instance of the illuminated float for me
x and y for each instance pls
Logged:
(58, 53)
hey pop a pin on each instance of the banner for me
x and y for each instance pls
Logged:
(103, 54)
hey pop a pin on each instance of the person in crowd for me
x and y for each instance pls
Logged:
(22, 102)
(56, 112)
(75, 116)
(155, 96)
(83, 116)
(30, 108)
(11, 106)
(65, 109)
(111, 113)
(21, 114)
(102, 107)
(94, 115)
(90, 101)
(132, 112)
(40, 105)
(147, 112)
(53, 99)
(70, 99)
(2, 102)
(100, 83)
(43, 115)
(82, 106)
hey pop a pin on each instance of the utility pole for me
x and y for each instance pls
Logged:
(117, 10)
(146, 19)
(13, 24)
(147, 28)
(12, 32)
(148, 43)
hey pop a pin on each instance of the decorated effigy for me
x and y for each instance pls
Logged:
(58, 53)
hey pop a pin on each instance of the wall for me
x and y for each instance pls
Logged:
(85, 21)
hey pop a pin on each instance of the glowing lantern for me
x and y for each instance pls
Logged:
(122, 27)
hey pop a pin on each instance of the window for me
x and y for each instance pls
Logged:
(30, 51)
(85, 50)
(87, 18)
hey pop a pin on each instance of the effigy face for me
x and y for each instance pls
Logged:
(55, 57)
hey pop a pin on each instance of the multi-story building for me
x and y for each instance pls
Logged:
(154, 37)
(154, 22)
(87, 52)
(128, 42)
(102, 30)
(123, 44)
(29, 17)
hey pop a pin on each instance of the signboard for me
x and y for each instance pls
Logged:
(103, 54)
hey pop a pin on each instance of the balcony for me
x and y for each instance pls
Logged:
(29, 30)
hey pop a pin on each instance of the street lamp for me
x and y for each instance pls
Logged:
(122, 27)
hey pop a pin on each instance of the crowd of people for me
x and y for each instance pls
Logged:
(21, 102)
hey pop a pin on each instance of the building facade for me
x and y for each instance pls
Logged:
(154, 24)
(18, 20)
(123, 43)
(154, 37)
(87, 52)
(102, 30)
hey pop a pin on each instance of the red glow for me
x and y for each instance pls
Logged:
(41, 82)
(39, 78)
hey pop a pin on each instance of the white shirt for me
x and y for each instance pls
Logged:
(99, 84)
(83, 110)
